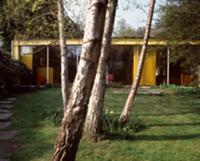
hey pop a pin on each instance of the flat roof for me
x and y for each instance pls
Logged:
(115, 41)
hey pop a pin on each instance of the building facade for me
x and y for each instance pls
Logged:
(42, 57)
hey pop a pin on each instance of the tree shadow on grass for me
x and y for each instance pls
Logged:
(174, 124)
(132, 137)
(35, 130)
(169, 114)
(118, 136)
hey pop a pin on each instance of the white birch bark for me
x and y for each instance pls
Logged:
(129, 102)
(95, 106)
(72, 124)
(63, 54)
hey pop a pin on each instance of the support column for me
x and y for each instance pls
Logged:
(15, 50)
(77, 57)
(107, 82)
(198, 74)
(168, 65)
(47, 72)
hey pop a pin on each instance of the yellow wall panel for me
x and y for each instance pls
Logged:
(149, 69)
(27, 60)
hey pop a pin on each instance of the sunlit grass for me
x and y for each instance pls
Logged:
(172, 128)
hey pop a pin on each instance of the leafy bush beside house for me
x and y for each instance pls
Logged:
(179, 21)
(12, 73)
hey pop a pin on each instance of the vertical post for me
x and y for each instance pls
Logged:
(47, 65)
(12, 49)
(138, 55)
(77, 57)
(168, 65)
(198, 73)
(133, 57)
(15, 50)
(107, 82)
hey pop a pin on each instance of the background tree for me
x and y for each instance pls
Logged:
(63, 53)
(124, 30)
(93, 121)
(32, 19)
(129, 102)
(179, 20)
(72, 124)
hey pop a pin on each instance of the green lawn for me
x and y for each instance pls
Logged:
(171, 133)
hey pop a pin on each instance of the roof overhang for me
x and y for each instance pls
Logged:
(115, 41)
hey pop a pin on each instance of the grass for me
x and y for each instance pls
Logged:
(171, 133)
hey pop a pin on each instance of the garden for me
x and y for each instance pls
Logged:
(164, 127)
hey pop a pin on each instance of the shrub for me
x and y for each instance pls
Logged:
(188, 91)
(111, 124)
(11, 74)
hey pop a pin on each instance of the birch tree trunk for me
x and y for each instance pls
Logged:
(129, 102)
(96, 101)
(72, 124)
(63, 54)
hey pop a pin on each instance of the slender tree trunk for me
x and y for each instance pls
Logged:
(63, 53)
(72, 124)
(95, 106)
(129, 102)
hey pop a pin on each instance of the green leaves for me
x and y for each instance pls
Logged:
(180, 20)
(37, 4)
(10, 73)
(28, 19)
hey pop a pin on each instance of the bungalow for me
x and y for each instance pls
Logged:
(43, 58)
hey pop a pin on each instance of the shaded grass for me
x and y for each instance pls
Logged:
(172, 130)
(36, 131)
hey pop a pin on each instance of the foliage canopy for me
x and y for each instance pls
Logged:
(180, 20)
(32, 19)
